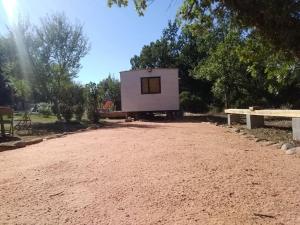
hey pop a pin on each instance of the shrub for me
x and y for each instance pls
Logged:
(78, 111)
(192, 103)
(92, 102)
(93, 114)
(44, 109)
(66, 112)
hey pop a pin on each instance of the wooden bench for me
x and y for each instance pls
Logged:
(9, 113)
(255, 118)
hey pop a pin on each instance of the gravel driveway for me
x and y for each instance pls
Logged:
(150, 173)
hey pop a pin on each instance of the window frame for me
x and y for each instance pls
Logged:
(148, 81)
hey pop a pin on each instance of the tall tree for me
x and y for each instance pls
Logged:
(59, 47)
(276, 20)
(110, 89)
(178, 48)
(5, 91)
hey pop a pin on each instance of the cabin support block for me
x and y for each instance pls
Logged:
(254, 121)
(296, 128)
(233, 118)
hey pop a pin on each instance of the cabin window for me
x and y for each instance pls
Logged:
(150, 85)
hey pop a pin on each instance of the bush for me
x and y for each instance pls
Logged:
(78, 111)
(44, 109)
(93, 115)
(92, 92)
(66, 112)
(192, 103)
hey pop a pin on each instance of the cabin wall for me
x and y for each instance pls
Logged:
(132, 99)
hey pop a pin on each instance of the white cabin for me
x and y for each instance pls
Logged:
(148, 90)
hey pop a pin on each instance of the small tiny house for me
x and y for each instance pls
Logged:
(150, 90)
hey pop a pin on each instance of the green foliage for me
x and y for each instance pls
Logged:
(60, 45)
(44, 109)
(72, 101)
(177, 49)
(110, 89)
(41, 61)
(5, 91)
(78, 111)
(192, 103)
(66, 111)
(278, 21)
(224, 69)
(92, 95)
(140, 5)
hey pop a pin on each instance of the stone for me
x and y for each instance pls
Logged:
(287, 146)
(34, 141)
(259, 140)
(236, 130)
(50, 137)
(291, 151)
(20, 144)
(268, 143)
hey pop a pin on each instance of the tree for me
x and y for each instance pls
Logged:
(276, 20)
(275, 73)
(178, 49)
(5, 91)
(110, 89)
(73, 101)
(140, 5)
(224, 69)
(92, 96)
(59, 47)
(15, 62)
(230, 53)
(5, 88)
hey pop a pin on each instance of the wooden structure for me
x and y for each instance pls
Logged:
(24, 123)
(150, 91)
(6, 117)
(255, 118)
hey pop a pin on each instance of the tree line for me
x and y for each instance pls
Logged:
(38, 64)
(226, 58)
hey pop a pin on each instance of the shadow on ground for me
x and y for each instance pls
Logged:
(120, 124)
(219, 119)
(57, 127)
(8, 139)
(199, 118)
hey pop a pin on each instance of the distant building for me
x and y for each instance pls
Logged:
(150, 90)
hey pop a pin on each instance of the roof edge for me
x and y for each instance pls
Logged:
(148, 69)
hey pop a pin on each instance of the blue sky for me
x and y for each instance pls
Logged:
(115, 34)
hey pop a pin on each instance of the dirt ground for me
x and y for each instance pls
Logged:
(150, 173)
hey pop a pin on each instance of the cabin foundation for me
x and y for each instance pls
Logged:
(233, 118)
(254, 121)
(296, 128)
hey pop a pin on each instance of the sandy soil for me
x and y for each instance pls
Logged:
(150, 173)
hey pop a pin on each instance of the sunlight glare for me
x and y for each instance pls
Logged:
(10, 9)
